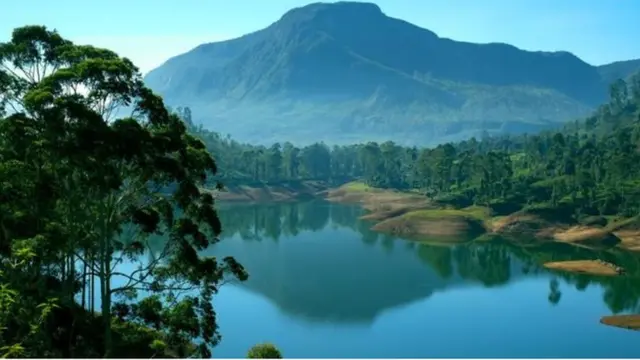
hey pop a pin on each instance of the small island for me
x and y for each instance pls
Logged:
(631, 322)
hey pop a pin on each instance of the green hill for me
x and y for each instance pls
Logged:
(345, 72)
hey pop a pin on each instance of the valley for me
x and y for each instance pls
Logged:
(338, 183)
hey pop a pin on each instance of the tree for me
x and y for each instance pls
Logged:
(106, 186)
(274, 162)
(316, 160)
(619, 93)
(264, 351)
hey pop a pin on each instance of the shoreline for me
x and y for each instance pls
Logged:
(279, 192)
(416, 217)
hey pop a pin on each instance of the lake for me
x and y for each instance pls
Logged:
(322, 285)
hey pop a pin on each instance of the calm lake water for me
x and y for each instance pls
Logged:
(321, 284)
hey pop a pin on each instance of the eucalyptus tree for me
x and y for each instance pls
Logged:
(109, 182)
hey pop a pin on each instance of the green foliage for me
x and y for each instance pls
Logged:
(264, 351)
(81, 192)
(589, 168)
(12, 312)
(357, 186)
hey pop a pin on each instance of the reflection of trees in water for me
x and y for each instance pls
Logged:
(554, 292)
(438, 257)
(621, 293)
(291, 220)
(582, 282)
(491, 265)
(368, 237)
(345, 215)
(388, 242)
(488, 264)
(273, 223)
(315, 215)
(258, 221)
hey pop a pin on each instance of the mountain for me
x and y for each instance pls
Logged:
(619, 70)
(345, 72)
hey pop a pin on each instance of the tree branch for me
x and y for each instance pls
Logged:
(149, 269)
(85, 263)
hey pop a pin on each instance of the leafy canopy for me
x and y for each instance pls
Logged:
(81, 185)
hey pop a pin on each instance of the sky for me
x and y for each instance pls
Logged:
(151, 31)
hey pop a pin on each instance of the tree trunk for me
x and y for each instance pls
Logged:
(84, 281)
(106, 317)
(105, 293)
(92, 288)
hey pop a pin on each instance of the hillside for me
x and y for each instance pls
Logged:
(345, 72)
(619, 70)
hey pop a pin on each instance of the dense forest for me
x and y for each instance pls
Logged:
(589, 167)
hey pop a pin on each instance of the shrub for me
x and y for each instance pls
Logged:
(264, 351)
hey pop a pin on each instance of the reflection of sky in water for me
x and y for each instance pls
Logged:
(323, 285)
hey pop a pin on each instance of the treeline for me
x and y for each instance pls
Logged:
(590, 167)
(382, 164)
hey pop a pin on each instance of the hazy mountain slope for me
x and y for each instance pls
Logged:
(346, 72)
(619, 70)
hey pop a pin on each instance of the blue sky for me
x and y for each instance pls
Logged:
(151, 31)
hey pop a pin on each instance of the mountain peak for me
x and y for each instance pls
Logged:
(343, 8)
(345, 69)
(324, 15)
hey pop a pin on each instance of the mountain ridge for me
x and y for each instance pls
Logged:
(344, 72)
(619, 69)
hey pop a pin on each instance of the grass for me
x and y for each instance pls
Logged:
(356, 186)
(472, 212)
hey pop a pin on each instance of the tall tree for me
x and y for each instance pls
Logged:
(113, 182)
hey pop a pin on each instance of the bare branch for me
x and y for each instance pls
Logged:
(168, 288)
(148, 269)
(8, 69)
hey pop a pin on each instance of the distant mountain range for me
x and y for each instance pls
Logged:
(345, 72)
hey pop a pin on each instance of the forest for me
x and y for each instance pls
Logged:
(589, 167)
(84, 193)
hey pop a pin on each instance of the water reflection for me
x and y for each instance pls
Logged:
(325, 275)
(317, 261)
